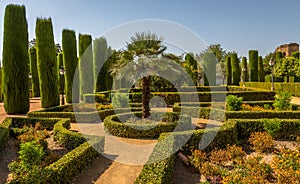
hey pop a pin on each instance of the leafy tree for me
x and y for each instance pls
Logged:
(141, 45)
(47, 64)
(266, 60)
(286, 67)
(15, 60)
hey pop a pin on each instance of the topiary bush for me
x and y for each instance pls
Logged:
(234, 103)
(261, 72)
(15, 60)
(47, 64)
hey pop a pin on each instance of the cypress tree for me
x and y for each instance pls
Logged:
(261, 72)
(253, 63)
(245, 75)
(109, 78)
(100, 57)
(86, 64)
(47, 65)
(236, 72)
(61, 79)
(15, 61)
(228, 70)
(34, 72)
(209, 68)
(70, 60)
(192, 67)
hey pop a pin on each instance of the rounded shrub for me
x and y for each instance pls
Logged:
(234, 103)
(47, 64)
(15, 61)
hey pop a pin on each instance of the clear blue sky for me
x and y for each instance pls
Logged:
(238, 25)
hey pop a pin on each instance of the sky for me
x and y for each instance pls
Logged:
(238, 25)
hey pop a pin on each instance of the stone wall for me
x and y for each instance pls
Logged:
(288, 49)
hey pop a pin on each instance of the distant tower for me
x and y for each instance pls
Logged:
(288, 49)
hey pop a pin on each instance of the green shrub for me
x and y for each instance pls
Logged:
(282, 101)
(27, 169)
(234, 103)
(15, 60)
(47, 64)
(120, 100)
(69, 48)
(253, 64)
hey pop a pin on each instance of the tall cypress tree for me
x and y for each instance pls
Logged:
(100, 57)
(261, 72)
(69, 47)
(253, 63)
(209, 68)
(236, 72)
(34, 72)
(228, 70)
(61, 79)
(15, 61)
(192, 67)
(47, 65)
(245, 74)
(86, 64)
(109, 78)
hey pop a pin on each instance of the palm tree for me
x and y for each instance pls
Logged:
(141, 45)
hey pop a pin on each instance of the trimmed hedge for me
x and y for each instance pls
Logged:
(220, 114)
(115, 127)
(236, 72)
(293, 88)
(82, 117)
(66, 168)
(159, 172)
(253, 65)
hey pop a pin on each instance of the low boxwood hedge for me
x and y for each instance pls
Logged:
(161, 164)
(220, 114)
(82, 117)
(231, 132)
(115, 127)
(66, 168)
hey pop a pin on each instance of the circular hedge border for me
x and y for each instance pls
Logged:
(115, 127)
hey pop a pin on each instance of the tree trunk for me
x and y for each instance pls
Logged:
(146, 97)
